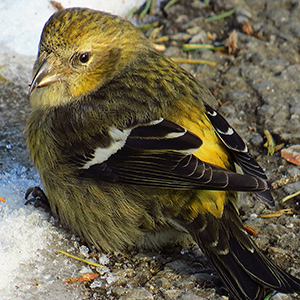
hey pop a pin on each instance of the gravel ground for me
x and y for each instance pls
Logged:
(257, 86)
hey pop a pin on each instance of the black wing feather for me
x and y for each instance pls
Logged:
(160, 155)
(239, 150)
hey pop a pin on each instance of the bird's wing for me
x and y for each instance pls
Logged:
(160, 154)
(239, 150)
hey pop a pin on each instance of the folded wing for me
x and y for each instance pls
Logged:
(160, 154)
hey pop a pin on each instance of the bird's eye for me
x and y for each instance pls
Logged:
(84, 57)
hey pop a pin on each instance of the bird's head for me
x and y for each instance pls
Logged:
(80, 50)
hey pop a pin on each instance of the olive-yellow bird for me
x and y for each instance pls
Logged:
(131, 153)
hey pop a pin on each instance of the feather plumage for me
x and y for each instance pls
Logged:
(126, 147)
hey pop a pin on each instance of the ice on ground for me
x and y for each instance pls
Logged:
(30, 269)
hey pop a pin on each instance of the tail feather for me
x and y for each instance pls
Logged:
(238, 282)
(245, 270)
(263, 270)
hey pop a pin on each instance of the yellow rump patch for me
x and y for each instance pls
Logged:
(207, 201)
